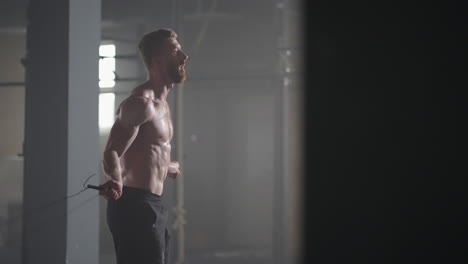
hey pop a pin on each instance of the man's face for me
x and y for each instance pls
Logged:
(173, 61)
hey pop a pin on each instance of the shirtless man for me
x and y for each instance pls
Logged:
(137, 156)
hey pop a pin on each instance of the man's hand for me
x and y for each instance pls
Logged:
(111, 190)
(173, 170)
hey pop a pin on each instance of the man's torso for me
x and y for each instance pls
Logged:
(145, 163)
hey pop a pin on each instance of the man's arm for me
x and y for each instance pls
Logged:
(174, 170)
(133, 112)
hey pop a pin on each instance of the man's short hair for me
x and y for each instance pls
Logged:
(151, 44)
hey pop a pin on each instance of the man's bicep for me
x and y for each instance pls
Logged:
(120, 137)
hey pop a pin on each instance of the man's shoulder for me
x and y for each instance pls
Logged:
(136, 107)
(141, 96)
(136, 100)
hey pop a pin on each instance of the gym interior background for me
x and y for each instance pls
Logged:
(237, 122)
(382, 179)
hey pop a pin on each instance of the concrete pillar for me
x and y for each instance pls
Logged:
(61, 131)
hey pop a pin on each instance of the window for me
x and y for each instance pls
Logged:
(107, 66)
(106, 81)
(106, 110)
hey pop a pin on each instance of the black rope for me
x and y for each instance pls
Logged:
(49, 205)
(84, 187)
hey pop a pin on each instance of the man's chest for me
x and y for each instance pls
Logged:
(162, 128)
(159, 128)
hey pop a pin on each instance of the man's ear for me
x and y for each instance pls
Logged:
(156, 61)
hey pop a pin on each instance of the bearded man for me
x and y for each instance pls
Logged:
(136, 159)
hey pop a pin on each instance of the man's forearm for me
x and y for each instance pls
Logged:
(112, 167)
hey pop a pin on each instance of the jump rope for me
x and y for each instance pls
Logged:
(86, 186)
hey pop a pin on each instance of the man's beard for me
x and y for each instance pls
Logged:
(176, 74)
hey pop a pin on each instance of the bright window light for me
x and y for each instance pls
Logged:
(106, 84)
(107, 50)
(106, 110)
(107, 66)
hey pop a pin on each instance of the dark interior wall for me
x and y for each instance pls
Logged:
(383, 177)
